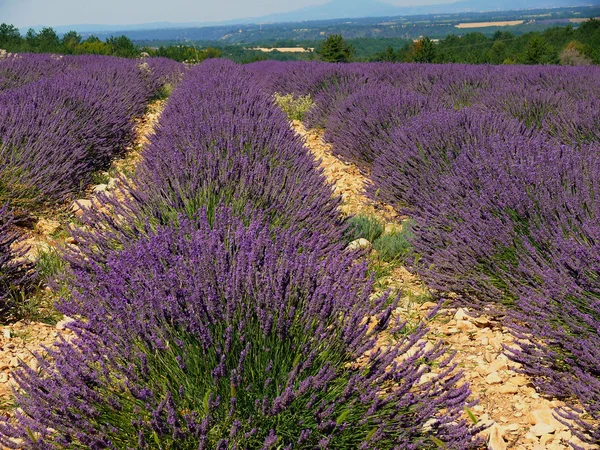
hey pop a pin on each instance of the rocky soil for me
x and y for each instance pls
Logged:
(517, 416)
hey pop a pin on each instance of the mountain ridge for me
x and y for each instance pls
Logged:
(338, 9)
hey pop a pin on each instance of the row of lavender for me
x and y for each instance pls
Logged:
(62, 120)
(218, 309)
(498, 168)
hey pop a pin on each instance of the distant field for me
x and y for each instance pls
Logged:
(284, 49)
(489, 24)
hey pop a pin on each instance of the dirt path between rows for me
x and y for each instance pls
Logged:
(518, 417)
(20, 340)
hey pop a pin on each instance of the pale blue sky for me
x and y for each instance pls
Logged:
(65, 12)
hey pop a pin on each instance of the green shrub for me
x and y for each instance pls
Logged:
(294, 107)
(394, 246)
(364, 227)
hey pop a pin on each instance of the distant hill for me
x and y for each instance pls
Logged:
(336, 9)
(341, 9)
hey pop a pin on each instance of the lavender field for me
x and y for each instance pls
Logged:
(221, 299)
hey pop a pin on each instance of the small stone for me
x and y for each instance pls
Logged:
(508, 389)
(496, 441)
(62, 324)
(79, 206)
(427, 306)
(545, 417)
(466, 326)
(493, 378)
(564, 435)
(530, 437)
(6, 333)
(3, 377)
(542, 428)
(497, 365)
(482, 322)
(358, 244)
(100, 188)
(47, 227)
(546, 438)
(461, 314)
(14, 362)
(490, 357)
(519, 380)
(112, 184)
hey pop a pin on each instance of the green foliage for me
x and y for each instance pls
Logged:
(184, 53)
(497, 54)
(538, 51)
(92, 46)
(180, 367)
(70, 41)
(576, 54)
(46, 41)
(364, 227)
(9, 36)
(294, 107)
(49, 264)
(394, 246)
(388, 55)
(122, 46)
(422, 51)
(336, 49)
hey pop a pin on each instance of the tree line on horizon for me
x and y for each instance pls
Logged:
(558, 45)
(564, 45)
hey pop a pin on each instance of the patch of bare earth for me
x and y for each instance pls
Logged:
(517, 415)
(22, 339)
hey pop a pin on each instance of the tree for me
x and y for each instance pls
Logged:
(497, 54)
(31, 40)
(336, 49)
(122, 46)
(9, 37)
(93, 46)
(70, 41)
(389, 55)
(538, 51)
(574, 55)
(422, 51)
(48, 41)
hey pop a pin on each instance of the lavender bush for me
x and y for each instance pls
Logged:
(58, 130)
(361, 122)
(499, 226)
(22, 69)
(415, 157)
(503, 196)
(221, 334)
(15, 272)
(232, 145)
